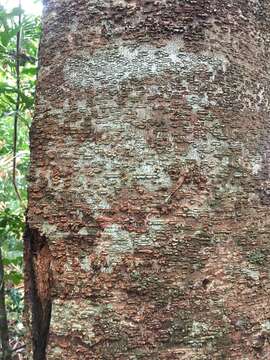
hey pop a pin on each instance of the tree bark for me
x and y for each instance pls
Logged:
(148, 218)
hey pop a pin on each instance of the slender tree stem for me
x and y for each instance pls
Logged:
(4, 333)
(16, 115)
(6, 351)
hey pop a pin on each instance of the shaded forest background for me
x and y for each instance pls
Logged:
(19, 37)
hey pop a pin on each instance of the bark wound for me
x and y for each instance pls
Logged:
(38, 276)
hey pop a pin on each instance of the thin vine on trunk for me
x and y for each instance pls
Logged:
(16, 116)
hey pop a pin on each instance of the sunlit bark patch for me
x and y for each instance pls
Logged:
(115, 65)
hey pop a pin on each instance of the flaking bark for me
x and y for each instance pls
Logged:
(149, 179)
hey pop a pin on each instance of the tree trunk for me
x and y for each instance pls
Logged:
(148, 218)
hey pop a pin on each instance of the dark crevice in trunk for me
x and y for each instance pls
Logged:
(38, 289)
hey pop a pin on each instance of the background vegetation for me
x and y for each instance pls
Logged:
(19, 36)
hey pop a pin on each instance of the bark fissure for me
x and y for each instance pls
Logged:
(38, 278)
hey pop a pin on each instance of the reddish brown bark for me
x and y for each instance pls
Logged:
(149, 179)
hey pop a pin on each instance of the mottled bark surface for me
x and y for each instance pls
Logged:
(148, 219)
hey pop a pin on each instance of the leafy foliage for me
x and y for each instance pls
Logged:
(11, 209)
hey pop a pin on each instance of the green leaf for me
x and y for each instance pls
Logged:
(7, 35)
(28, 101)
(29, 71)
(4, 88)
(13, 261)
(15, 277)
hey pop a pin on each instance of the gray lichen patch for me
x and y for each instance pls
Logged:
(121, 241)
(208, 154)
(116, 164)
(198, 328)
(198, 102)
(68, 312)
(116, 64)
(48, 229)
(116, 242)
(252, 274)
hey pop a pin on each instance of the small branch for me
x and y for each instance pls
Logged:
(179, 183)
(16, 115)
(20, 347)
